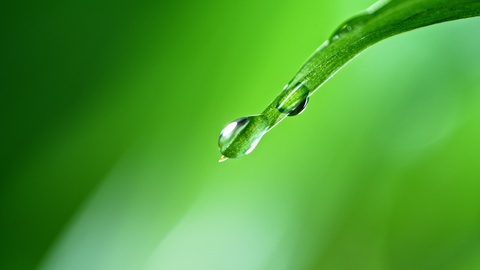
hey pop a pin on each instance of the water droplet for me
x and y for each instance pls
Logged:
(292, 98)
(241, 136)
(300, 108)
(351, 24)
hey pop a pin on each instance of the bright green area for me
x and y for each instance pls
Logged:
(110, 117)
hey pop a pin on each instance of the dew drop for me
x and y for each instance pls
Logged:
(349, 25)
(292, 98)
(241, 136)
(300, 108)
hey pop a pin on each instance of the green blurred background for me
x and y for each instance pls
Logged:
(111, 110)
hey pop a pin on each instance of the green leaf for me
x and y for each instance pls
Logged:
(382, 20)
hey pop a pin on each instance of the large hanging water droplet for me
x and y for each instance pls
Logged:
(241, 136)
(293, 100)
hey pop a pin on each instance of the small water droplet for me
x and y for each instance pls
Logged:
(241, 136)
(351, 24)
(292, 98)
(300, 108)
